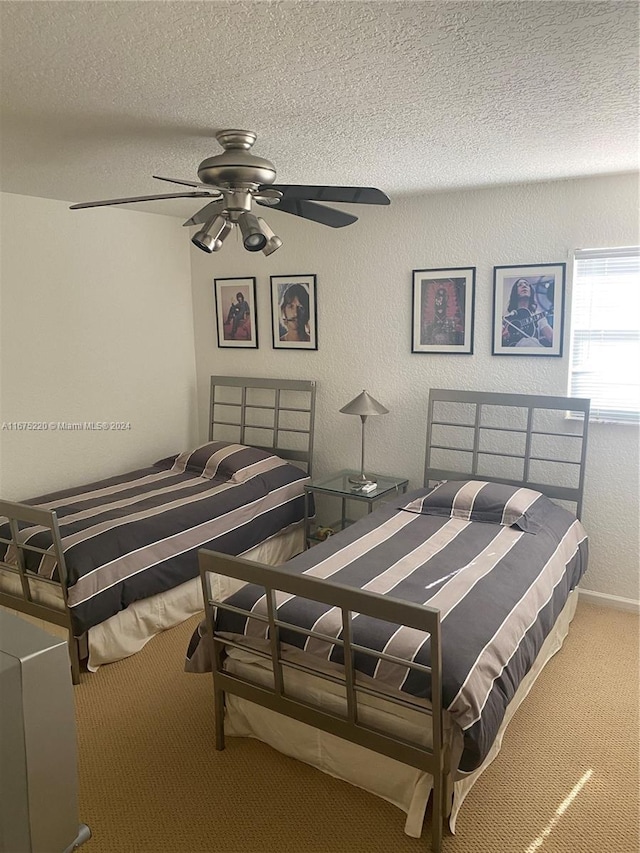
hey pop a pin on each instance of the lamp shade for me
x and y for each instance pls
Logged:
(364, 405)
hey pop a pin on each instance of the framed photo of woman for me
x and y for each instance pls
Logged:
(528, 309)
(442, 316)
(294, 316)
(236, 312)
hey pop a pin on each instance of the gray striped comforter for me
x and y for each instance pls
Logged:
(499, 590)
(132, 536)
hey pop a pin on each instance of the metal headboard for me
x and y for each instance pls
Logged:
(276, 415)
(518, 416)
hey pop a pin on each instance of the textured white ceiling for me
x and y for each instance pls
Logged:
(406, 96)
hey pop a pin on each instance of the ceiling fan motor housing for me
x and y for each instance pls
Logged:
(236, 167)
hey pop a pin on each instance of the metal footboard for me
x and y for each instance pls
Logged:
(348, 726)
(13, 560)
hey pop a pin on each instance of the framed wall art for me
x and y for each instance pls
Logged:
(236, 312)
(442, 315)
(528, 309)
(294, 316)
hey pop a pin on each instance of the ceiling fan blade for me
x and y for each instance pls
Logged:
(316, 212)
(205, 213)
(187, 183)
(137, 198)
(351, 195)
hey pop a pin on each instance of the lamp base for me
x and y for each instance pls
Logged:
(361, 480)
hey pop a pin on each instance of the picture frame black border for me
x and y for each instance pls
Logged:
(243, 283)
(470, 297)
(558, 326)
(310, 279)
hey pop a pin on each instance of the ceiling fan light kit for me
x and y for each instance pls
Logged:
(234, 180)
(253, 238)
(273, 242)
(211, 237)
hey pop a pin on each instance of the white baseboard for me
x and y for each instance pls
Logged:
(615, 601)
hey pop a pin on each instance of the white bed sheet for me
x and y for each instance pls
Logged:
(404, 786)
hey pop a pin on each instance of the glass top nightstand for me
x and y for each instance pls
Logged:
(339, 486)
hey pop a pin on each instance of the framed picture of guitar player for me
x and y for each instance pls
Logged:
(528, 309)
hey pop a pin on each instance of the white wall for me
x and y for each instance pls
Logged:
(364, 302)
(96, 325)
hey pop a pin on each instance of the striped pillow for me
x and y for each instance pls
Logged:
(221, 459)
(477, 500)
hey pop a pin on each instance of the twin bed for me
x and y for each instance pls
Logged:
(394, 654)
(115, 562)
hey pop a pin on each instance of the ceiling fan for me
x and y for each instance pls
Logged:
(234, 180)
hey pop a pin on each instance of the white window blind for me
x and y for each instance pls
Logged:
(605, 332)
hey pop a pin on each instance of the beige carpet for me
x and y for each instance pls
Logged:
(152, 782)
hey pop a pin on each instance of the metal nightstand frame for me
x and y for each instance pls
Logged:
(347, 492)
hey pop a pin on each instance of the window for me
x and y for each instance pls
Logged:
(605, 332)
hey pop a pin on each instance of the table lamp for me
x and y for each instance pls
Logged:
(363, 405)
